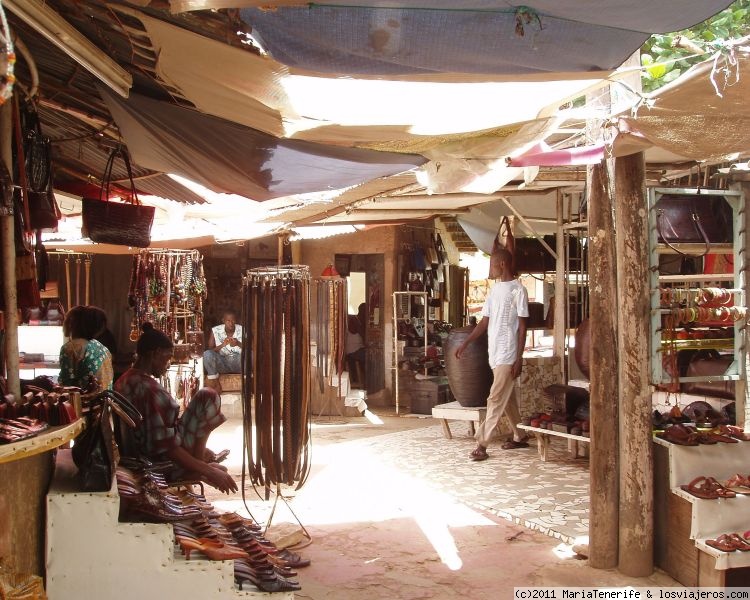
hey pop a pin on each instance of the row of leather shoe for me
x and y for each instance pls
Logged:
(146, 496)
(256, 560)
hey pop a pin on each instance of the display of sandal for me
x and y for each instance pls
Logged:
(679, 434)
(723, 543)
(734, 432)
(738, 484)
(707, 488)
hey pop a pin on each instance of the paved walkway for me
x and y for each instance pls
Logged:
(398, 511)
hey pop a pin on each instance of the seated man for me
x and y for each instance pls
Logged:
(224, 354)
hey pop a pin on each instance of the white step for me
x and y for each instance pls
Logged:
(91, 554)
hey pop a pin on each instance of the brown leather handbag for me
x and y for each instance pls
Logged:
(707, 364)
(693, 219)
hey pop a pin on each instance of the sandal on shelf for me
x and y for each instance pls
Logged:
(723, 543)
(720, 437)
(707, 488)
(679, 434)
(740, 543)
(735, 432)
(738, 484)
(479, 454)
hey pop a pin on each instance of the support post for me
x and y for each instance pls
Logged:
(604, 460)
(8, 257)
(636, 527)
(561, 289)
(742, 390)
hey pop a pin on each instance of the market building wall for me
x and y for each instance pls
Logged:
(317, 254)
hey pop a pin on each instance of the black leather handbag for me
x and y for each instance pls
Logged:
(121, 223)
(95, 451)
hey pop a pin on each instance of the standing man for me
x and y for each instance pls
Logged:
(504, 318)
(224, 354)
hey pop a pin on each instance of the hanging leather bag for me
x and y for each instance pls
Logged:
(121, 223)
(693, 219)
(95, 451)
(707, 364)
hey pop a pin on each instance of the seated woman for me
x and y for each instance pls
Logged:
(82, 356)
(163, 434)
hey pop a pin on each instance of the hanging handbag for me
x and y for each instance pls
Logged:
(120, 223)
(707, 364)
(693, 219)
(95, 451)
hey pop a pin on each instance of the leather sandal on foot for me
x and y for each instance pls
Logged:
(512, 444)
(479, 454)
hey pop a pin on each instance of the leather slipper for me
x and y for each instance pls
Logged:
(512, 445)
(477, 455)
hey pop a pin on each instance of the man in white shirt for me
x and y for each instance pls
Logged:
(504, 318)
(224, 354)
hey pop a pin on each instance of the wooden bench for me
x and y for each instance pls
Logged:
(453, 411)
(543, 436)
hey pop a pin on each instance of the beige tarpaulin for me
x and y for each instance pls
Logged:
(694, 117)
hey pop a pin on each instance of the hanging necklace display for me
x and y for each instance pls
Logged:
(276, 378)
(8, 78)
(167, 289)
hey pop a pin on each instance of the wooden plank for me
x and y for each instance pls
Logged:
(636, 532)
(604, 464)
(48, 440)
(681, 560)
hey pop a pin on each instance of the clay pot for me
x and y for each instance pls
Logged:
(470, 378)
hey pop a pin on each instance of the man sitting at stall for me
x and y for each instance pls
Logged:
(224, 354)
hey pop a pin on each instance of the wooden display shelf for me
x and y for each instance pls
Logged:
(701, 344)
(694, 249)
(50, 439)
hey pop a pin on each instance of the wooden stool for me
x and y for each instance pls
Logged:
(454, 411)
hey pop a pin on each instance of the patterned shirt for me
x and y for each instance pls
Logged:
(159, 431)
(80, 359)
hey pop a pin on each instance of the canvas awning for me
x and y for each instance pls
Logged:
(703, 115)
(231, 158)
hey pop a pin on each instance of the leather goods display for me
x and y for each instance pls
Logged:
(276, 374)
(329, 328)
(695, 218)
(532, 257)
(124, 224)
(706, 364)
(95, 451)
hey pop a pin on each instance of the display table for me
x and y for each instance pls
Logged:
(683, 522)
(453, 411)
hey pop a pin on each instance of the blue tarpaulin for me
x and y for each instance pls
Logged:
(542, 36)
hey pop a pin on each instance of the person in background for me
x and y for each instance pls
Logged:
(504, 319)
(355, 351)
(164, 434)
(224, 354)
(82, 356)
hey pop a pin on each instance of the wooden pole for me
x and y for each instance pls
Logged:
(7, 231)
(604, 461)
(636, 536)
(561, 289)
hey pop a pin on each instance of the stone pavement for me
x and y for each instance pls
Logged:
(395, 510)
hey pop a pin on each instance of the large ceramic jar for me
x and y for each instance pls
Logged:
(470, 378)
